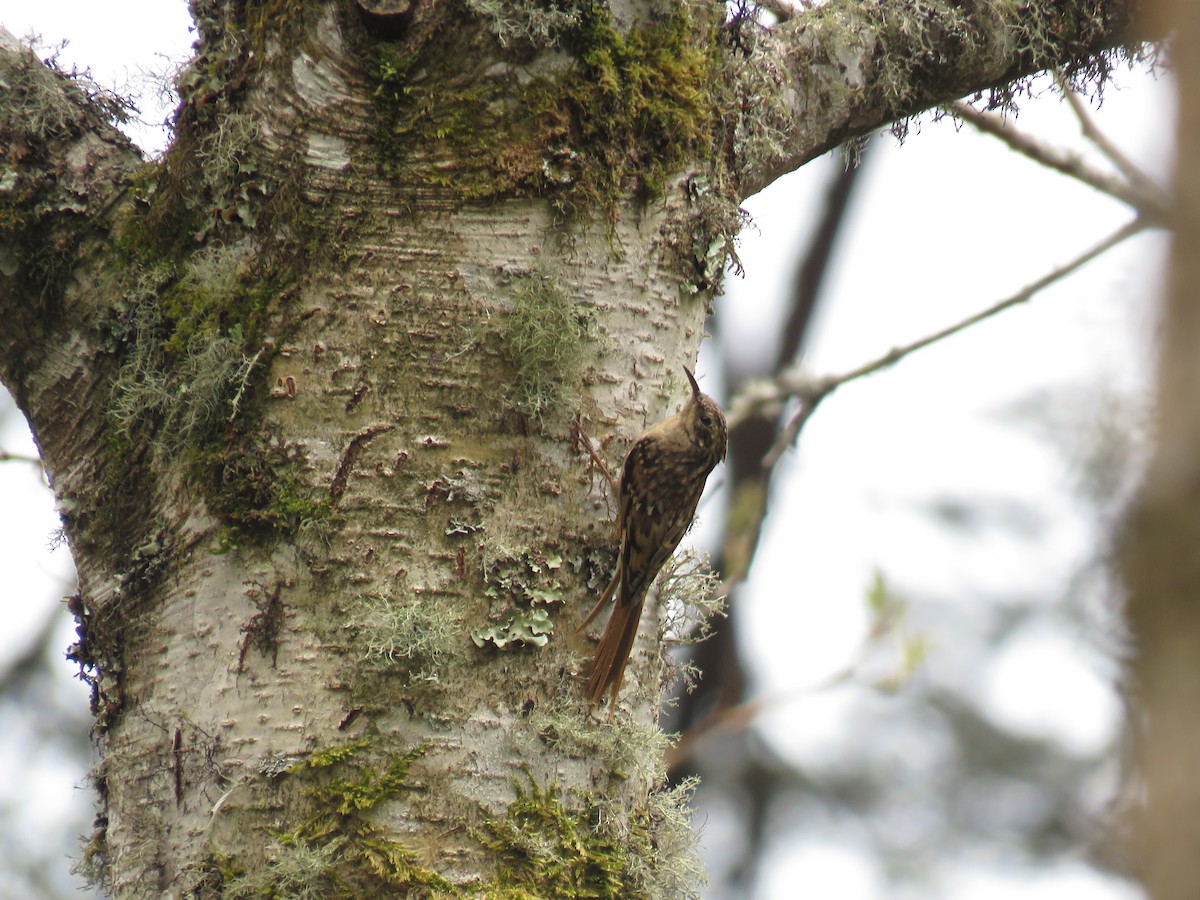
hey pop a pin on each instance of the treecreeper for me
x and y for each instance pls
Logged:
(661, 483)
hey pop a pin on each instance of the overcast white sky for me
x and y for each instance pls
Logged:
(1001, 418)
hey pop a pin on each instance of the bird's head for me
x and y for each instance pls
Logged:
(705, 422)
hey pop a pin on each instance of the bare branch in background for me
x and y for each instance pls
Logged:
(1156, 549)
(1093, 133)
(6, 456)
(1138, 191)
(810, 392)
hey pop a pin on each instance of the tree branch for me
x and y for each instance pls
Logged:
(1139, 192)
(849, 67)
(66, 164)
(810, 392)
(6, 456)
(66, 167)
(1093, 133)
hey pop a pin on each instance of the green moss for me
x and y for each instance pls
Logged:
(629, 111)
(217, 294)
(450, 135)
(547, 848)
(192, 331)
(646, 102)
(332, 756)
(546, 845)
(254, 484)
(210, 250)
(337, 851)
(204, 402)
(280, 21)
(367, 788)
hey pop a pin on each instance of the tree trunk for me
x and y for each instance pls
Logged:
(1158, 557)
(308, 389)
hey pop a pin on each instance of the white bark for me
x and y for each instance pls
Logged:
(390, 391)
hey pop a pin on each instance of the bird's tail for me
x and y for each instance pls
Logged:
(613, 652)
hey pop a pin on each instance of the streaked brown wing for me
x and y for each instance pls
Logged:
(659, 493)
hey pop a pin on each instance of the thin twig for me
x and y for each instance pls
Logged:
(811, 395)
(6, 456)
(1093, 133)
(247, 367)
(1149, 203)
(581, 439)
(732, 719)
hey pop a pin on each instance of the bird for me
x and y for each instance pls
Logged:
(661, 482)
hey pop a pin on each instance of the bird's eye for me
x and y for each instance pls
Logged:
(706, 420)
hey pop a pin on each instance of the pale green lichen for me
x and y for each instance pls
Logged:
(519, 588)
(405, 630)
(297, 871)
(188, 402)
(531, 579)
(537, 25)
(545, 332)
(629, 748)
(688, 589)
(46, 105)
(671, 867)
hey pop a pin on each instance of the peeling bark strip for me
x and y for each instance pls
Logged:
(338, 487)
(177, 765)
(498, 217)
